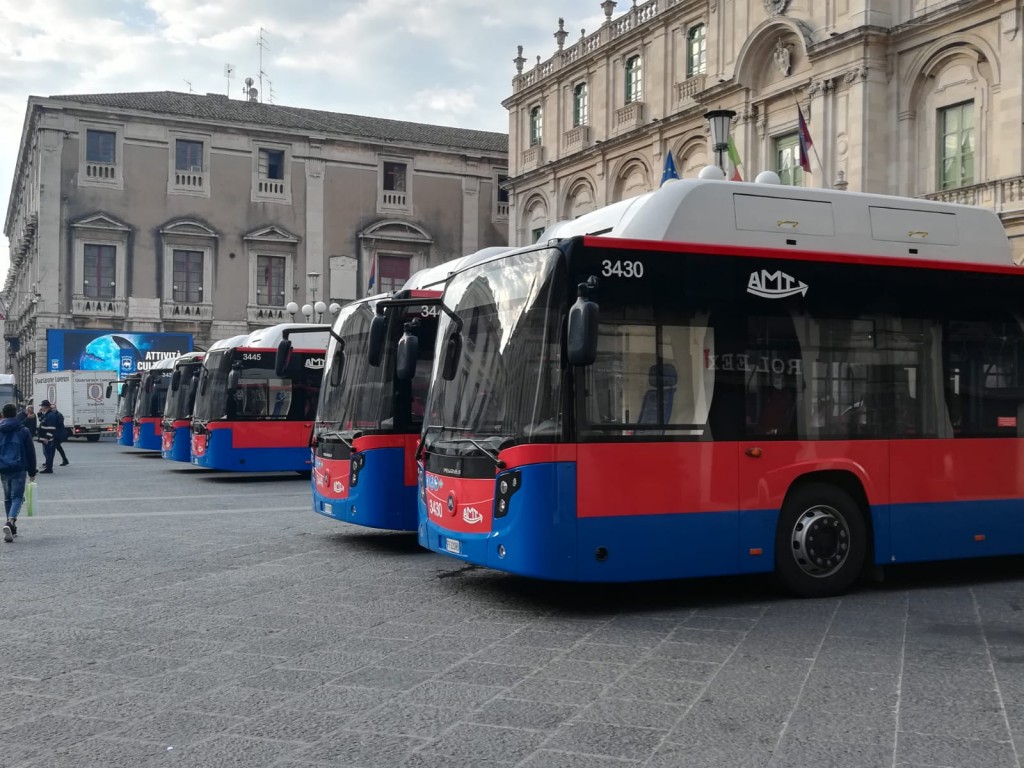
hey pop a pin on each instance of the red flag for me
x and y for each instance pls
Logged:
(804, 136)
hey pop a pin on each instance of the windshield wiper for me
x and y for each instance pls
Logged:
(484, 449)
(336, 434)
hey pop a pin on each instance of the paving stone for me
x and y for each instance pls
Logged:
(643, 714)
(546, 758)
(487, 742)
(516, 713)
(608, 740)
(944, 750)
(363, 750)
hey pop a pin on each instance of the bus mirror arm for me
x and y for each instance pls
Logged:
(582, 326)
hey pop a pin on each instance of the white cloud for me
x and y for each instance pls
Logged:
(446, 61)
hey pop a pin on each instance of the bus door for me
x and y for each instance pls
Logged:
(656, 472)
(960, 493)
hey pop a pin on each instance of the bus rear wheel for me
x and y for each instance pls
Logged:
(821, 541)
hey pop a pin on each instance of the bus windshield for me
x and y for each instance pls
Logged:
(370, 399)
(180, 400)
(8, 393)
(151, 403)
(261, 394)
(129, 394)
(507, 387)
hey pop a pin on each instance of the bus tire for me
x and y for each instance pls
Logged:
(820, 542)
(93, 438)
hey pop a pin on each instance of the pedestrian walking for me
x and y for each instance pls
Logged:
(29, 420)
(51, 434)
(17, 463)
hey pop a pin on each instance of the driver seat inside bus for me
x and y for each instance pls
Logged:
(661, 376)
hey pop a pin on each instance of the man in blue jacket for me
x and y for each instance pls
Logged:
(17, 460)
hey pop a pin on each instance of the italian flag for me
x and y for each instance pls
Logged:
(734, 158)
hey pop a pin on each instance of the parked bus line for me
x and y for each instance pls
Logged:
(147, 418)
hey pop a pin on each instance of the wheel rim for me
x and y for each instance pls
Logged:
(820, 541)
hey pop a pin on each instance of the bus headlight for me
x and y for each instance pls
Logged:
(507, 486)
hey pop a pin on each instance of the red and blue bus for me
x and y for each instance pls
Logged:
(129, 395)
(246, 417)
(734, 378)
(371, 407)
(176, 425)
(147, 420)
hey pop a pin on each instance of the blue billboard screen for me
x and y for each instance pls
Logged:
(102, 350)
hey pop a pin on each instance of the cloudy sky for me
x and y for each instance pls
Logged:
(447, 62)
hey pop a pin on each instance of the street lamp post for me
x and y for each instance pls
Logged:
(720, 120)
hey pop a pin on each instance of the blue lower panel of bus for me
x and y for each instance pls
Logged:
(181, 448)
(948, 530)
(381, 499)
(127, 435)
(220, 455)
(542, 537)
(148, 440)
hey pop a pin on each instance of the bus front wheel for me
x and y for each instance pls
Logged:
(821, 541)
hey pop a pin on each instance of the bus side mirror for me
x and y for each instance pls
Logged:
(337, 367)
(150, 384)
(452, 353)
(581, 338)
(378, 333)
(408, 354)
(205, 385)
(284, 357)
(234, 377)
(176, 379)
(110, 390)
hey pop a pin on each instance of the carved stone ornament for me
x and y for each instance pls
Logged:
(782, 57)
(775, 7)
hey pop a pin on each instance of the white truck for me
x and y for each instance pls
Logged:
(82, 397)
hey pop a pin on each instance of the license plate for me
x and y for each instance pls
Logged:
(453, 545)
(328, 508)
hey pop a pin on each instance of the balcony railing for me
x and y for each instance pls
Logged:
(577, 138)
(179, 311)
(1001, 195)
(101, 172)
(629, 117)
(85, 306)
(394, 200)
(690, 87)
(270, 188)
(189, 181)
(259, 314)
(502, 209)
(533, 157)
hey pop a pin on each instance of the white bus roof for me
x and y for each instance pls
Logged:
(190, 357)
(228, 343)
(269, 338)
(167, 364)
(734, 213)
(436, 276)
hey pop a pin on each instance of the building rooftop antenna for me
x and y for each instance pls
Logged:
(262, 44)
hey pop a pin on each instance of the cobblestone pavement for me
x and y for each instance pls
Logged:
(154, 614)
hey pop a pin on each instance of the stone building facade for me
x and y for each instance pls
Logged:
(909, 97)
(208, 215)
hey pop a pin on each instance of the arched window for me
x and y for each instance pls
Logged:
(580, 105)
(696, 50)
(536, 125)
(634, 80)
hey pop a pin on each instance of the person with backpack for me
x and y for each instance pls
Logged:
(17, 461)
(51, 433)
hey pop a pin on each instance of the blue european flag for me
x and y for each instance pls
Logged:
(670, 168)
